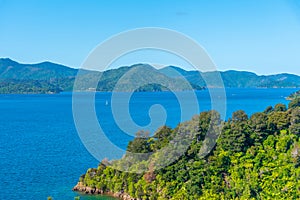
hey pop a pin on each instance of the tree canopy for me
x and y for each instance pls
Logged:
(256, 157)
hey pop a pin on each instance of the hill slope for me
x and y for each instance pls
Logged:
(254, 158)
(47, 77)
(236, 79)
(10, 69)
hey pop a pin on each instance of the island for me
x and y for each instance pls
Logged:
(256, 157)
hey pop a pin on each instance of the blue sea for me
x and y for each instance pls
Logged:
(41, 153)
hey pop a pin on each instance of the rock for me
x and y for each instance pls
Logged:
(80, 187)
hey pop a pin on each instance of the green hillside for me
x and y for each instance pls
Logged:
(10, 69)
(236, 79)
(256, 157)
(47, 77)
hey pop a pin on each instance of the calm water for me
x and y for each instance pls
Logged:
(41, 153)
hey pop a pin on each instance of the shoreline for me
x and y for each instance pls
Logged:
(80, 187)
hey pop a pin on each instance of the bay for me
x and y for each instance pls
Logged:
(42, 155)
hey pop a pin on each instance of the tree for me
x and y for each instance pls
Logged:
(208, 121)
(259, 126)
(295, 121)
(278, 121)
(139, 144)
(181, 195)
(163, 132)
(280, 107)
(268, 110)
(232, 139)
(294, 103)
(162, 138)
(235, 133)
(239, 116)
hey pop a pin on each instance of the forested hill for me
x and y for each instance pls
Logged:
(47, 77)
(10, 69)
(255, 157)
(236, 79)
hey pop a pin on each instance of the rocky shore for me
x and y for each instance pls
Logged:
(80, 187)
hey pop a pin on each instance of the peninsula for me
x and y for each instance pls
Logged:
(255, 157)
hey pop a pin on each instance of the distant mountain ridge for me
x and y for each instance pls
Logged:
(47, 77)
(10, 69)
(237, 79)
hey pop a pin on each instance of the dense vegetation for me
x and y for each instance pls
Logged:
(13, 86)
(47, 77)
(236, 79)
(255, 158)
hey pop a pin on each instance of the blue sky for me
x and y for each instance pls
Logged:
(253, 35)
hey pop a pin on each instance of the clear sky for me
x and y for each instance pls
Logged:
(262, 36)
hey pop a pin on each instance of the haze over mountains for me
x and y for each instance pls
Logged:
(47, 77)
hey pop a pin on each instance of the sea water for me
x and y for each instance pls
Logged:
(42, 155)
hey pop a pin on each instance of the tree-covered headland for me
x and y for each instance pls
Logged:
(256, 157)
(294, 95)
